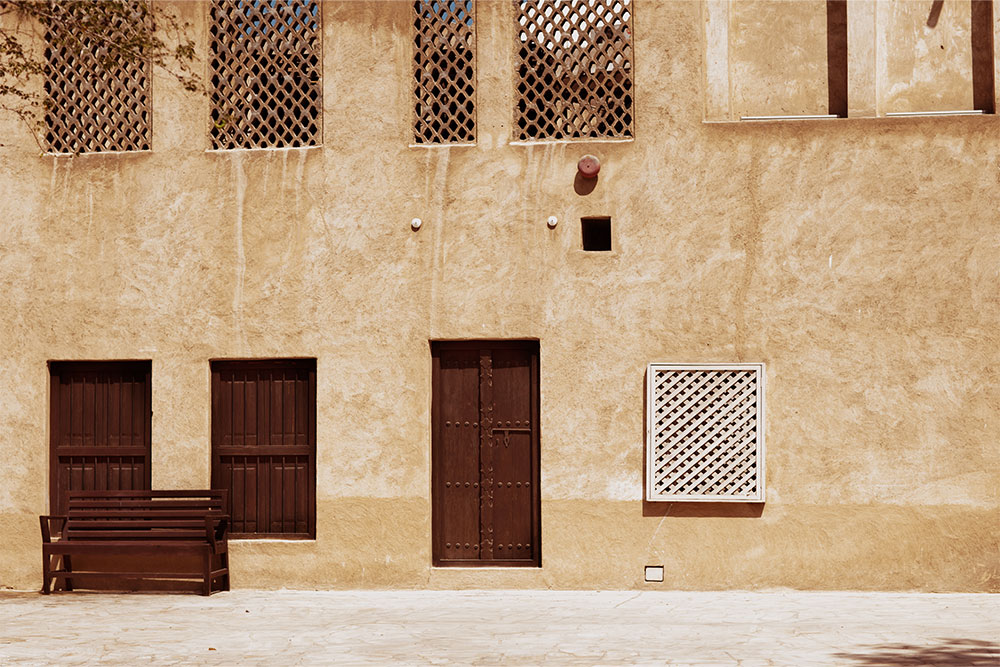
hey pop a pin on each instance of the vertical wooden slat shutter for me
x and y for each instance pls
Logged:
(264, 444)
(100, 427)
(485, 453)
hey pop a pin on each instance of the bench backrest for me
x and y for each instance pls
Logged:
(143, 515)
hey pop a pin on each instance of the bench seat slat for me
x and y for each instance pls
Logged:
(96, 524)
(160, 493)
(133, 575)
(133, 547)
(151, 534)
(139, 504)
(133, 514)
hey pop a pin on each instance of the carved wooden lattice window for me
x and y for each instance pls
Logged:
(444, 71)
(265, 68)
(574, 69)
(705, 434)
(95, 103)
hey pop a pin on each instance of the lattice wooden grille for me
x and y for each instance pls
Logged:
(95, 104)
(265, 64)
(444, 71)
(575, 69)
(705, 438)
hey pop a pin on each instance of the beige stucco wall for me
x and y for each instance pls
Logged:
(858, 259)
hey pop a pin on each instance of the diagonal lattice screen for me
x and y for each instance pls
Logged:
(265, 69)
(705, 436)
(96, 105)
(444, 71)
(574, 69)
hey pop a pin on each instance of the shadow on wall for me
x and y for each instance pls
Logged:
(702, 509)
(965, 652)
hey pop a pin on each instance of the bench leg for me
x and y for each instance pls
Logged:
(224, 556)
(206, 587)
(68, 566)
(46, 574)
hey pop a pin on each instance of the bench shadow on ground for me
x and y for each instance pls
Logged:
(965, 652)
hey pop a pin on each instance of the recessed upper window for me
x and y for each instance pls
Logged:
(95, 104)
(940, 56)
(444, 71)
(779, 57)
(574, 69)
(265, 68)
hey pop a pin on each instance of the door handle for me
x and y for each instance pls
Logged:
(507, 431)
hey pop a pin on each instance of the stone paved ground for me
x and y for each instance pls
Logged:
(501, 628)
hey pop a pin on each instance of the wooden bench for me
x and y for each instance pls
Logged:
(132, 526)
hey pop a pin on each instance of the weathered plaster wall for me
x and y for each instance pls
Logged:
(858, 259)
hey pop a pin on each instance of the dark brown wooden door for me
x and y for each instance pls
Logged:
(264, 445)
(485, 453)
(100, 424)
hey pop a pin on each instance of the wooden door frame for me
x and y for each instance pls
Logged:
(533, 345)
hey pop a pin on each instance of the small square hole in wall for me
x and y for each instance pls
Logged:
(596, 234)
(654, 573)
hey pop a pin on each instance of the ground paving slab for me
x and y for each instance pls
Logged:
(501, 628)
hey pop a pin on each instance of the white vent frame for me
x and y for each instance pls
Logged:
(654, 468)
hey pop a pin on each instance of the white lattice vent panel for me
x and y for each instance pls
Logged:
(705, 432)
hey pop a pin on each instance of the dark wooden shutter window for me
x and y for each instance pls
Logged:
(264, 445)
(485, 454)
(100, 423)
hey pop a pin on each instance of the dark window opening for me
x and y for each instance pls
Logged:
(596, 234)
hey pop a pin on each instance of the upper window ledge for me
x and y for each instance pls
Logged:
(923, 114)
(789, 117)
(892, 115)
(580, 140)
(260, 149)
(466, 144)
(146, 151)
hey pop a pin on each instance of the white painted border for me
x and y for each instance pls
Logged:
(761, 467)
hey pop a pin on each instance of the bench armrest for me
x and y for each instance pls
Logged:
(217, 530)
(46, 523)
